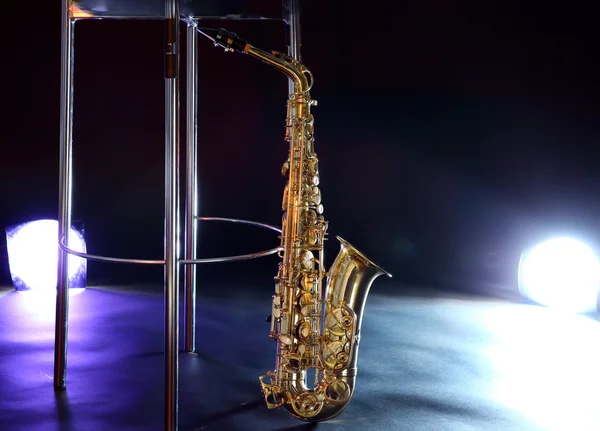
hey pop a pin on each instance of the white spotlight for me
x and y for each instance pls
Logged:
(561, 273)
(33, 256)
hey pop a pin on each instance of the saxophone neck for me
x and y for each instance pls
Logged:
(231, 42)
(296, 71)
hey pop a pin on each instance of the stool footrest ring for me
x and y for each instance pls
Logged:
(248, 256)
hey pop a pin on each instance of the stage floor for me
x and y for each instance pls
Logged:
(426, 363)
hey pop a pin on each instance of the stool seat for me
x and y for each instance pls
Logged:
(197, 9)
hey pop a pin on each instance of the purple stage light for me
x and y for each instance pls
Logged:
(33, 256)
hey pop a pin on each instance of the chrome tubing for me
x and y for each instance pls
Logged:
(191, 200)
(172, 249)
(235, 258)
(64, 195)
(292, 17)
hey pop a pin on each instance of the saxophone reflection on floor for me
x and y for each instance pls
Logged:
(430, 362)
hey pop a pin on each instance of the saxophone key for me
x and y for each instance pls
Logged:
(292, 362)
(285, 198)
(285, 168)
(304, 331)
(311, 166)
(310, 217)
(285, 339)
(308, 260)
(307, 282)
(305, 303)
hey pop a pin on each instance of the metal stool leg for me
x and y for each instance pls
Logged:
(64, 196)
(171, 214)
(292, 17)
(191, 201)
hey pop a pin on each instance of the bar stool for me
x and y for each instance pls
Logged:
(172, 12)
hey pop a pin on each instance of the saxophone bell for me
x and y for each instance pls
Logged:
(349, 281)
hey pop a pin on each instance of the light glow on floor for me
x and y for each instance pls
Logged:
(547, 366)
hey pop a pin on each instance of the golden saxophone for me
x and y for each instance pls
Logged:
(316, 332)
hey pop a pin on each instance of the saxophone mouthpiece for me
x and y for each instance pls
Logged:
(225, 39)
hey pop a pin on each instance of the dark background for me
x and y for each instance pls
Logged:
(450, 135)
